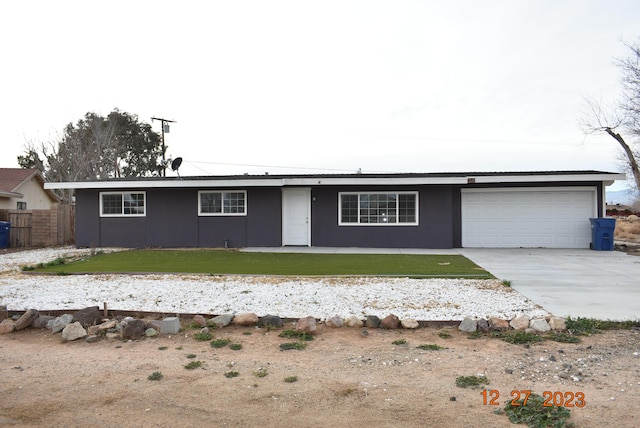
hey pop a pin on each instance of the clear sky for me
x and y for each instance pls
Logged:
(323, 86)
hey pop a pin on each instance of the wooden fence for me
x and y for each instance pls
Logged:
(41, 228)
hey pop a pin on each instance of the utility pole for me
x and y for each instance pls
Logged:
(164, 123)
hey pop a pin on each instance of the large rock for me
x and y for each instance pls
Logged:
(271, 321)
(410, 323)
(221, 320)
(483, 325)
(557, 323)
(133, 330)
(539, 324)
(390, 322)
(59, 323)
(199, 320)
(468, 325)
(154, 324)
(6, 326)
(246, 319)
(306, 325)
(372, 321)
(73, 331)
(334, 322)
(520, 323)
(88, 316)
(4, 313)
(353, 321)
(170, 325)
(26, 319)
(42, 321)
(498, 324)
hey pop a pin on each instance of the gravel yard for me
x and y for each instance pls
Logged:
(421, 299)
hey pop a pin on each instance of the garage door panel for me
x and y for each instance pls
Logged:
(546, 218)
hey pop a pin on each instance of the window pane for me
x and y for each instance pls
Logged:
(234, 202)
(210, 202)
(133, 203)
(112, 204)
(407, 208)
(349, 208)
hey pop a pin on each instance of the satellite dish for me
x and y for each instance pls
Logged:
(176, 164)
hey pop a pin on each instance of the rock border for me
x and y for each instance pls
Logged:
(90, 324)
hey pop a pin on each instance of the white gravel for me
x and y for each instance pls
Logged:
(421, 299)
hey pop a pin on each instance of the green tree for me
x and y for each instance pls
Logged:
(621, 121)
(96, 148)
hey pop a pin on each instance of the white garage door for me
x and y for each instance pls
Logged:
(512, 218)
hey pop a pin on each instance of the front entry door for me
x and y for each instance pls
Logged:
(296, 216)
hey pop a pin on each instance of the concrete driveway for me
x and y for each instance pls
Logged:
(585, 283)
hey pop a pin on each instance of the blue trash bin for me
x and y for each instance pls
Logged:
(5, 227)
(602, 233)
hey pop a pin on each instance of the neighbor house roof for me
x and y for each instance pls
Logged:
(266, 180)
(12, 178)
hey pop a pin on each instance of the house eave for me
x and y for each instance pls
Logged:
(341, 180)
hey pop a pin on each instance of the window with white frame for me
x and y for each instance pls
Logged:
(122, 204)
(222, 203)
(388, 208)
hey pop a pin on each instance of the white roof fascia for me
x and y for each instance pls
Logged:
(546, 178)
(334, 181)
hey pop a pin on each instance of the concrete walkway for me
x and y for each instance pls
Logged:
(577, 283)
(585, 283)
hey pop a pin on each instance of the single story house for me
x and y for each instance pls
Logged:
(412, 210)
(23, 189)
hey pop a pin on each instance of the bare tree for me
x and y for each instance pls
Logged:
(622, 118)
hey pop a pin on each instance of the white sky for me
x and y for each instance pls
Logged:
(323, 86)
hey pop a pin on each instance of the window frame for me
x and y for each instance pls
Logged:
(122, 208)
(21, 206)
(222, 199)
(377, 192)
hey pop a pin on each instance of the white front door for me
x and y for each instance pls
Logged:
(296, 216)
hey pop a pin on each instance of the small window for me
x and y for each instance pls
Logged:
(381, 209)
(122, 204)
(22, 206)
(222, 203)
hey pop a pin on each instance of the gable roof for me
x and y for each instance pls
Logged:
(12, 178)
(459, 178)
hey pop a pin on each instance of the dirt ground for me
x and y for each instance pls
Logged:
(344, 378)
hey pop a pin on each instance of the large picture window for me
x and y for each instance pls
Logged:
(222, 203)
(122, 204)
(400, 208)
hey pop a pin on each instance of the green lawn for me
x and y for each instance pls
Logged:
(236, 262)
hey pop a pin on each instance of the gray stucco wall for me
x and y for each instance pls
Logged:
(172, 221)
(435, 227)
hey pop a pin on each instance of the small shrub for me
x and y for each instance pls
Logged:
(506, 283)
(474, 335)
(292, 334)
(191, 356)
(247, 333)
(291, 379)
(399, 342)
(519, 337)
(471, 381)
(236, 346)
(444, 334)
(28, 268)
(534, 414)
(563, 337)
(292, 345)
(260, 373)
(585, 326)
(220, 343)
(202, 337)
(193, 365)
(430, 347)
(163, 348)
(231, 374)
(155, 376)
